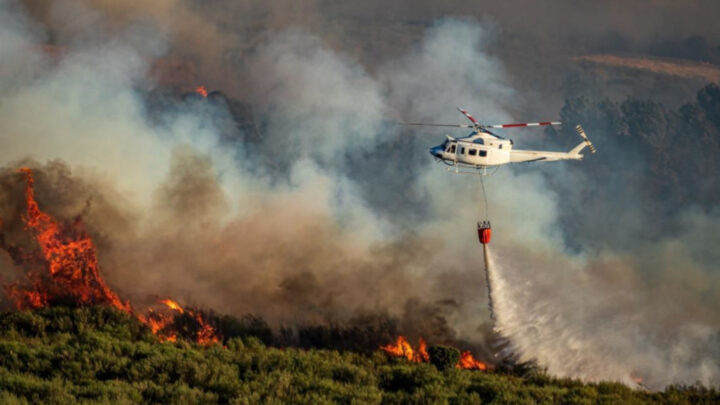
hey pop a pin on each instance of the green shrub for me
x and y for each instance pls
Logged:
(443, 357)
(99, 355)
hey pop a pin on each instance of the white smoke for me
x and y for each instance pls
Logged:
(582, 315)
(300, 246)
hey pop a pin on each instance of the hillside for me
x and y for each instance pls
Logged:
(96, 354)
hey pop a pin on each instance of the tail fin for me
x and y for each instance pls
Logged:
(582, 145)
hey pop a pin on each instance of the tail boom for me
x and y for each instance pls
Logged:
(517, 156)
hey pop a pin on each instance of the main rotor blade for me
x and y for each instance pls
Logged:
(470, 117)
(437, 125)
(524, 124)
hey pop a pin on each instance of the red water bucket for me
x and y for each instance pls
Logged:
(484, 232)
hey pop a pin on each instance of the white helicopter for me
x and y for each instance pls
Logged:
(482, 148)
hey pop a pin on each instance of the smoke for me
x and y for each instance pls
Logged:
(333, 211)
(175, 213)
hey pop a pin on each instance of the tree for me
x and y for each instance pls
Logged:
(709, 100)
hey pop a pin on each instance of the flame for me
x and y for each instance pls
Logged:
(403, 348)
(161, 324)
(72, 271)
(71, 260)
(35, 299)
(172, 305)
(422, 351)
(206, 335)
(467, 361)
(637, 379)
(201, 90)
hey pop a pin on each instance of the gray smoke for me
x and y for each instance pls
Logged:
(333, 211)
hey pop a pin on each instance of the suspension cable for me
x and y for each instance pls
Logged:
(482, 183)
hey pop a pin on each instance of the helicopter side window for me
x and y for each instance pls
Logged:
(473, 152)
(462, 151)
(452, 148)
(483, 153)
(500, 147)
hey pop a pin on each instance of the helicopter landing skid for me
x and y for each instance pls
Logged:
(482, 171)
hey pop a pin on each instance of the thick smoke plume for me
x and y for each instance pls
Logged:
(315, 208)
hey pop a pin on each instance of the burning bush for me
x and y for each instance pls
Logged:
(403, 349)
(66, 271)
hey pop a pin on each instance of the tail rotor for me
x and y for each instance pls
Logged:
(584, 136)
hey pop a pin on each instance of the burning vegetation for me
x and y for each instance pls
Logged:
(68, 259)
(66, 270)
(403, 348)
(201, 90)
(163, 323)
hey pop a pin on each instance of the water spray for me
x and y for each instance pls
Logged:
(484, 231)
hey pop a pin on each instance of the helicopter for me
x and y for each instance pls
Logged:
(482, 149)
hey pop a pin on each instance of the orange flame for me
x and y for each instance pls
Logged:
(637, 379)
(172, 305)
(468, 362)
(402, 348)
(73, 271)
(206, 335)
(422, 350)
(159, 324)
(71, 258)
(201, 90)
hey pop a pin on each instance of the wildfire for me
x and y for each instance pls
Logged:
(637, 379)
(72, 272)
(402, 348)
(205, 335)
(172, 305)
(71, 260)
(201, 90)
(467, 361)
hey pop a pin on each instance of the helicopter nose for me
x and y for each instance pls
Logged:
(436, 151)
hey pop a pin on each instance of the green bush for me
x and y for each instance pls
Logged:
(99, 355)
(443, 357)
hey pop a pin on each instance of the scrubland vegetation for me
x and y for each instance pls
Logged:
(66, 355)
